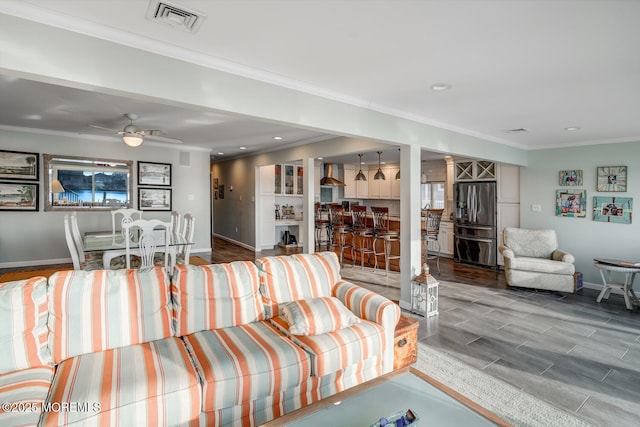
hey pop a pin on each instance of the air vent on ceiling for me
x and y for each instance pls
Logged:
(175, 16)
(518, 130)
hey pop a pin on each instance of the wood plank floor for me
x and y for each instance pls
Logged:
(224, 251)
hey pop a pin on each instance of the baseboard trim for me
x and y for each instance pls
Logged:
(599, 286)
(39, 262)
(235, 242)
(14, 264)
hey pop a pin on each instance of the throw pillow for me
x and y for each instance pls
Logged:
(315, 316)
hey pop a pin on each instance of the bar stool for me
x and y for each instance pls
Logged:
(339, 231)
(430, 233)
(322, 227)
(382, 231)
(361, 233)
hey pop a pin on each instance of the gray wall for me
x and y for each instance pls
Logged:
(583, 237)
(31, 238)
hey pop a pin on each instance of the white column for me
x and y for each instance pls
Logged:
(308, 224)
(410, 244)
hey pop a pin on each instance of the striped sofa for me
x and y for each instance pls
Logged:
(211, 346)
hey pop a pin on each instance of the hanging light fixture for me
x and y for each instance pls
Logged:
(398, 173)
(379, 174)
(423, 177)
(360, 176)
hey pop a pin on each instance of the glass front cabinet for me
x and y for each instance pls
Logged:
(288, 180)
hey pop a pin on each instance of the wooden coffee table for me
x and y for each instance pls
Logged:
(434, 403)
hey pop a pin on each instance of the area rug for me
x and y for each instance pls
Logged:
(11, 276)
(506, 401)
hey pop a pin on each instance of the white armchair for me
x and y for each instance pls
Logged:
(532, 260)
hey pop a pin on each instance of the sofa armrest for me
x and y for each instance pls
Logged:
(367, 304)
(374, 307)
(563, 256)
(506, 252)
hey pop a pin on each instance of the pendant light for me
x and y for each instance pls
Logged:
(379, 174)
(398, 173)
(423, 177)
(360, 176)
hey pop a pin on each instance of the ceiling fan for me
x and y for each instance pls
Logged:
(133, 136)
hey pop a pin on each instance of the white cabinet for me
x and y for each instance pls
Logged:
(508, 188)
(445, 237)
(267, 184)
(395, 184)
(350, 183)
(379, 188)
(468, 170)
(288, 180)
(317, 170)
(508, 183)
(354, 189)
(267, 221)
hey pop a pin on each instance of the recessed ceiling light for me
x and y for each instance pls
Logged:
(320, 158)
(572, 128)
(220, 153)
(277, 138)
(440, 86)
(33, 117)
(243, 148)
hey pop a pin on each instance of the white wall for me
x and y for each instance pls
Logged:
(31, 238)
(583, 237)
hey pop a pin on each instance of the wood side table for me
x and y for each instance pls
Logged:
(405, 342)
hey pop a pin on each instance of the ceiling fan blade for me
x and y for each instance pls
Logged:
(104, 128)
(163, 139)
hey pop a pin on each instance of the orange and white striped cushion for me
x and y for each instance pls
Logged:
(23, 324)
(244, 363)
(149, 384)
(91, 311)
(337, 350)
(315, 316)
(300, 276)
(216, 296)
(24, 390)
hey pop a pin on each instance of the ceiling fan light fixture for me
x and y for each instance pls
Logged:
(379, 174)
(132, 139)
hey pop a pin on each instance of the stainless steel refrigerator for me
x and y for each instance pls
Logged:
(475, 223)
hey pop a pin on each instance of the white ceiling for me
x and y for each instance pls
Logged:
(539, 65)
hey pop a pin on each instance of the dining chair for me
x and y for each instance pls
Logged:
(154, 236)
(188, 231)
(76, 247)
(175, 221)
(128, 215)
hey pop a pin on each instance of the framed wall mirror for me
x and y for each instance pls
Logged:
(83, 183)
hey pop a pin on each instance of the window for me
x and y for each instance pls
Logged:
(432, 194)
(74, 183)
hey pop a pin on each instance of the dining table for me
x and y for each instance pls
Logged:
(109, 241)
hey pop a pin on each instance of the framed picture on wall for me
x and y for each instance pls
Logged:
(158, 174)
(19, 165)
(612, 178)
(571, 203)
(613, 209)
(154, 199)
(571, 177)
(18, 196)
